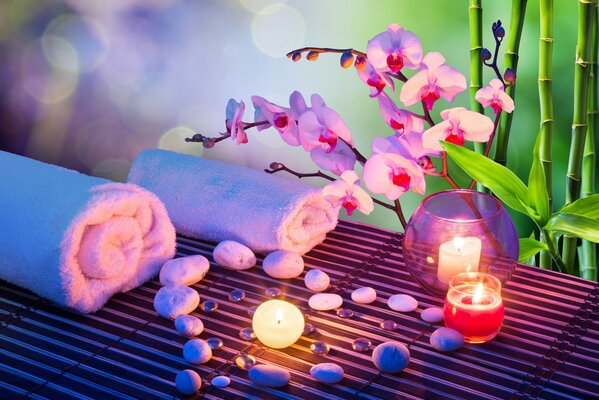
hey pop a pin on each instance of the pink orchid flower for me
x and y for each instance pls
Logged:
(459, 125)
(402, 121)
(341, 159)
(233, 115)
(393, 175)
(433, 81)
(394, 49)
(321, 127)
(283, 119)
(494, 95)
(408, 146)
(377, 81)
(348, 194)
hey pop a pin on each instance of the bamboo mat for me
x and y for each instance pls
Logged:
(548, 347)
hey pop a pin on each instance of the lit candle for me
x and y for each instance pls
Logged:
(457, 256)
(474, 307)
(278, 324)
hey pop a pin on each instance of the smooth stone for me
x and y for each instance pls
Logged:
(432, 315)
(402, 303)
(269, 375)
(221, 381)
(188, 325)
(327, 373)
(446, 339)
(233, 255)
(184, 270)
(391, 357)
(316, 280)
(364, 295)
(174, 300)
(188, 382)
(325, 301)
(283, 264)
(197, 351)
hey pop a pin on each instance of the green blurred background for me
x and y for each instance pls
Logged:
(89, 83)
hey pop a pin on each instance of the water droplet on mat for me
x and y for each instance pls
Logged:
(247, 334)
(320, 348)
(245, 361)
(388, 325)
(361, 344)
(209, 306)
(309, 329)
(273, 292)
(214, 343)
(236, 295)
(345, 313)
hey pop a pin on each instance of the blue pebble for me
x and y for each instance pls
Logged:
(446, 339)
(391, 357)
(269, 375)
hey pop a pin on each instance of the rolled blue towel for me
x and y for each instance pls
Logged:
(76, 239)
(216, 201)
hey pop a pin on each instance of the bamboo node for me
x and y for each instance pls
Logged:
(475, 6)
(547, 120)
(580, 61)
(574, 126)
(476, 48)
(546, 39)
(545, 79)
(587, 1)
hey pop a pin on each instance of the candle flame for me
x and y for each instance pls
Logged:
(458, 242)
(279, 315)
(478, 293)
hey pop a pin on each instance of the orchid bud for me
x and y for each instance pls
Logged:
(209, 143)
(347, 59)
(197, 137)
(296, 56)
(312, 56)
(276, 165)
(509, 75)
(500, 32)
(485, 54)
(360, 63)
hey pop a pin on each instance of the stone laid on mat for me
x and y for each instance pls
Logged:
(283, 264)
(184, 270)
(364, 295)
(329, 373)
(234, 255)
(432, 315)
(391, 357)
(220, 381)
(402, 303)
(188, 382)
(197, 351)
(188, 325)
(269, 375)
(325, 301)
(174, 300)
(316, 280)
(446, 339)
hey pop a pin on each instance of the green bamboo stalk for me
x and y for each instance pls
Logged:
(475, 16)
(546, 103)
(588, 255)
(510, 61)
(582, 69)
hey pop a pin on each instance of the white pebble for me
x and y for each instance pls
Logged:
(221, 381)
(174, 300)
(402, 303)
(197, 351)
(432, 315)
(188, 382)
(184, 270)
(364, 295)
(188, 325)
(316, 280)
(446, 339)
(283, 264)
(233, 255)
(325, 301)
(391, 357)
(327, 373)
(269, 375)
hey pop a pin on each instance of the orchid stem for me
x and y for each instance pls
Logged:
(325, 50)
(400, 214)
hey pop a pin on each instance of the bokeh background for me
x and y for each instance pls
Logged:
(87, 84)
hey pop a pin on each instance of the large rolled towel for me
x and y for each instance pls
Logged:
(217, 201)
(76, 239)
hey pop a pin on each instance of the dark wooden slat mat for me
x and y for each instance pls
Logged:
(548, 347)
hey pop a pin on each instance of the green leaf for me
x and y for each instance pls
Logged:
(576, 225)
(537, 191)
(586, 206)
(499, 179)
(529, 247)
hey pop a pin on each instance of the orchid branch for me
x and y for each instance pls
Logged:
(208, 141)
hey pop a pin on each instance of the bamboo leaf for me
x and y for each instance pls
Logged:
(537, 191)
(499, 179)
(575, 225)
(587, 207)
(529, 247)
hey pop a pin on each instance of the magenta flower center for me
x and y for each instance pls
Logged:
(455, 136)
(395, 62)
(329, 138)
(429, 96)
(376, 82)
(400, 178)
(496, 104)
(350, 204)
(280, 120)
(398, 126)
(426, 163)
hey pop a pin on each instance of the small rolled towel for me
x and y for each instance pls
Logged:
(76, 239)
(217, 201)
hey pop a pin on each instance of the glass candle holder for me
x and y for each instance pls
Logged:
(459, 231)
(473, 306)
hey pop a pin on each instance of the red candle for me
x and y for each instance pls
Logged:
(474, 307)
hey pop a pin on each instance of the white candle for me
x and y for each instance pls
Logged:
(457, 256)
(278, 324)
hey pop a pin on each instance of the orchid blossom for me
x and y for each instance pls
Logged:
(348, 194)
(283, 119)
(394, 49)
(393, 175)
(320, 127)
(337, 161)
(233, 122)
(458, 125)
(433, 81)
(375, 80)
(494, 95)
(402, 121)
(408, 146)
